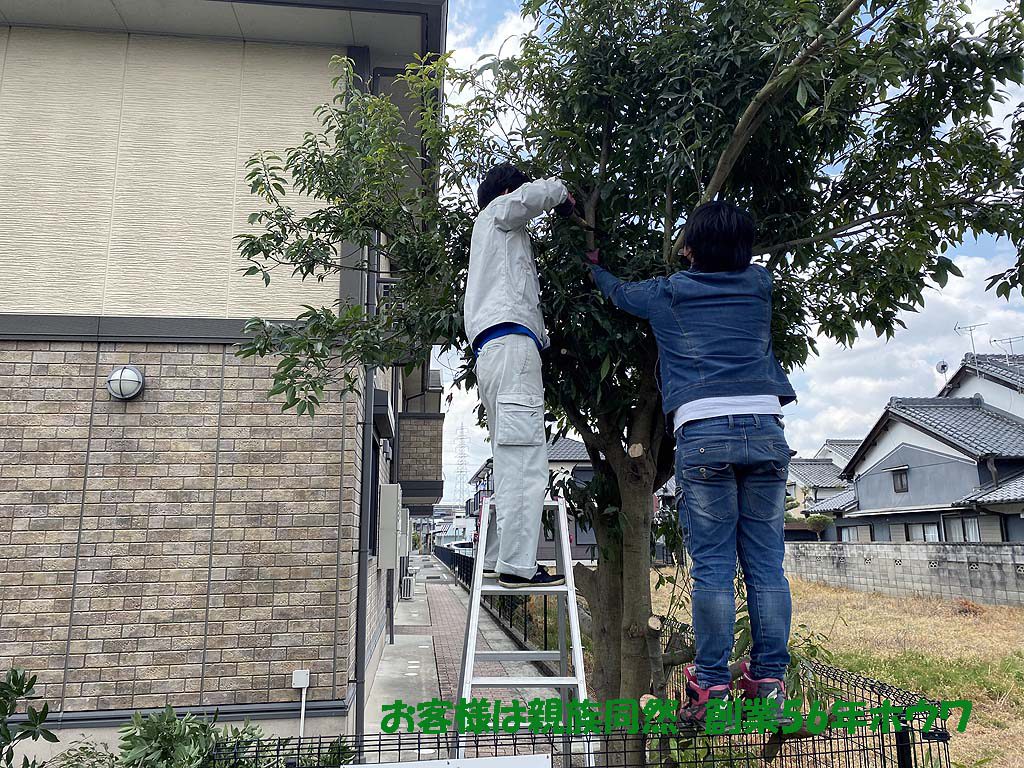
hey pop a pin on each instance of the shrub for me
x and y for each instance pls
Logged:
(15, 686)
(818, 523)
(84, 754)
(164, 740)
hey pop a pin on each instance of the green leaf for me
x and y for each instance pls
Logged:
(801, 94)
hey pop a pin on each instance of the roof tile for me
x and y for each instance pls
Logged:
(838, 503)
(969, 423)
(816, 473)
(845, 448)
(1010, 492)
(567, 449)
(1008, 368)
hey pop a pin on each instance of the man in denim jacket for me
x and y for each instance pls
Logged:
(723, 392)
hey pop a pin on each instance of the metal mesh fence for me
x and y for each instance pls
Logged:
(908, 749)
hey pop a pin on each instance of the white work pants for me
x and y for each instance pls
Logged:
(509, 379)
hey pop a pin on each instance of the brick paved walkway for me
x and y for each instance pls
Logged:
(447, 603)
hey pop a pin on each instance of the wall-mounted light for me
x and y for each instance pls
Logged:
(125, 382)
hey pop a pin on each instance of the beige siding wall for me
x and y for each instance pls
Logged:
(123, 160)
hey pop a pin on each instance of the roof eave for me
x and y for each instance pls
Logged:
(889, 414)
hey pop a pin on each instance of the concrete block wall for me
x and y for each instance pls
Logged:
(189, 547)
(984, 573)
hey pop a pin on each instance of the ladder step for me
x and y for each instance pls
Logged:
(525, 682)
(518, 656)
(497, 589)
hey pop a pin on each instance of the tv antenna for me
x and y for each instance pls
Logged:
(968, 330)
(1006, 345)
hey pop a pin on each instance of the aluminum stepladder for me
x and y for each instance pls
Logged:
(568, 642)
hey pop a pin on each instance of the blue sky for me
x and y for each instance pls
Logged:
(842, 391)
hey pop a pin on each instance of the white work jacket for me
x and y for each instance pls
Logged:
(503, 286)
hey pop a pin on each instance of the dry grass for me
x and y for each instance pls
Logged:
(887, 625)
(946, 649)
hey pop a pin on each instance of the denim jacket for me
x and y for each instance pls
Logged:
(713, 331)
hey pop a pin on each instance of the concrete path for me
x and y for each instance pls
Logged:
(425, 660)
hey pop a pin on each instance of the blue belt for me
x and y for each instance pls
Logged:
(503, 329)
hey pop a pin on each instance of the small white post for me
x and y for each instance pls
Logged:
(300, 679)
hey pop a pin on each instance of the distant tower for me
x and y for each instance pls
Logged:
(461, 465)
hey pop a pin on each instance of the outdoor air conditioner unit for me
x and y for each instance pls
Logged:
(406, 591)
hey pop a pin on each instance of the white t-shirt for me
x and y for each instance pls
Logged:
(710, 407)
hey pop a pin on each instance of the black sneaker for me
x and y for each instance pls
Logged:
(489, 574)
(540, 579)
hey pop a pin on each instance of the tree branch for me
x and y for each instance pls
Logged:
(579, 423)
(770, 91)
(590, 206)
(666, 246)
(850, 227)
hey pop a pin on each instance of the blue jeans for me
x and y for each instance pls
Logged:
(731, 478)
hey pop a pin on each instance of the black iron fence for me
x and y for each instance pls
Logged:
(531, 620)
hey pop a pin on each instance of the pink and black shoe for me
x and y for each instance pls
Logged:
(693, 712)
(768, 688)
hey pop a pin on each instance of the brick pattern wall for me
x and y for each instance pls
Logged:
(985, 573)
(420, 436)
(193, 546)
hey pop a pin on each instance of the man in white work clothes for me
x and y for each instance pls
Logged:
(505, 325)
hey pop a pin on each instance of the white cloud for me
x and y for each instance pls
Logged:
(843, 391)
(468, 45)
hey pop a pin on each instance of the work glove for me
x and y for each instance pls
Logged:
(565, 209)
(594, 256)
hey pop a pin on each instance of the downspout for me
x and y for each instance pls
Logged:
(365, 503)
(361, 60)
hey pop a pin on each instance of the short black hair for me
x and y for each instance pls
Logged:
(498, 179)
(720, 237)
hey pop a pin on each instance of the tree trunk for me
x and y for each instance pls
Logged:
(618, 595)
(602, 588)
(637, 508)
